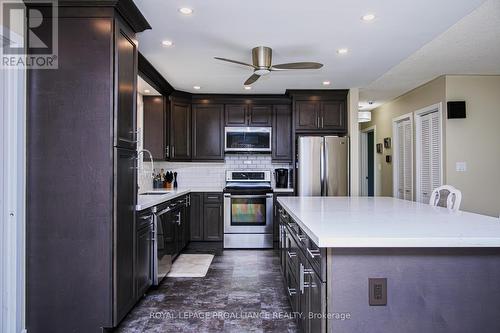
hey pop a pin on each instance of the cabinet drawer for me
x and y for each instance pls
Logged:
(316, 257)
(213, 197)
(144, 219)
(292, 254)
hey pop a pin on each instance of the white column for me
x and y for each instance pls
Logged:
(352, 110)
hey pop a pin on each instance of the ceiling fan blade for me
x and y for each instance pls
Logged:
(298, 65)
(251, 79)
(235, 62)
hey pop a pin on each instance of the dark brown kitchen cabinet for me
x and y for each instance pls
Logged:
(208, 132)
(206, 217)
(307, 115)
(212, 222)
(260, 115)
(196, 217)
(126, 78)
(126, 163)
(87, 160)
(180, 130)
(155, 126)
(333, 115)
(143, 255)
(282, 134)
(248, 115)
(276, 213)
(236, 114)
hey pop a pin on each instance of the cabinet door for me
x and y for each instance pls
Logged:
(208, 132)
(291, 289)
(333, 114)
(125, 192)
(316, 296)
(282, 133)
(196, 217)
(143, 277)
(180, 134)
(260, 115)
(307, 115)
(155, 123)
(212, 222)
(126, 94)
(236, 114)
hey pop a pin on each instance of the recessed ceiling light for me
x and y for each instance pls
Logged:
(147, 91)
(167, 43)
(185, 11)
(326, 83)
(368, 17)
(342, 51)
(196, 87)
(248, 88)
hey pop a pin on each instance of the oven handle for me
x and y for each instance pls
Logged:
(250, 196)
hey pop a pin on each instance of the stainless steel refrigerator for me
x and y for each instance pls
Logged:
(322, 166)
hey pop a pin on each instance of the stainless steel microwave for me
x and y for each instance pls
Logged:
(247, 139)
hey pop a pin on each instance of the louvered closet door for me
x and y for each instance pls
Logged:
(405, 160)
(430, 155)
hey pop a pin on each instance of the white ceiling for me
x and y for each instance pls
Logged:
(297, 31)
(471, 46)
(145, 88)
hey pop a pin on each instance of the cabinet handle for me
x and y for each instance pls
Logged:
(322, 122)
(317, 121)
(167, 151)
(301, 278)
(291, 254)
(300, 237)
(314, 253)
(291, 291)
(173, 151)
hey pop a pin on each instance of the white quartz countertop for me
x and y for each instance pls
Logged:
(148, 201)
(388, 222)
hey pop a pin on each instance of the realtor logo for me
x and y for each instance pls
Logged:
(29, 34)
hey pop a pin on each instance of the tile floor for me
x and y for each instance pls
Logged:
(243, 287)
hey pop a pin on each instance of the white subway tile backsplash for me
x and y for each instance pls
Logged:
(207, 175)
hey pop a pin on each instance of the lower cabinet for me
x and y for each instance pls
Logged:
(206, 217)
(276, 215)
(305, 288)
(143, 257)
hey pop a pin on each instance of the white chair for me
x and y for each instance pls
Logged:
(446, 196)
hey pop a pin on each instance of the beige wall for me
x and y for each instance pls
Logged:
(428, 94)
(476, 141)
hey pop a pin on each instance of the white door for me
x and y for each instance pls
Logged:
(403, 159)
(429, 155)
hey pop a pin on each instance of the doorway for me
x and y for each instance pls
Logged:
(368, 161)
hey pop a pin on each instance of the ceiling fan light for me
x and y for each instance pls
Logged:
(262, 71)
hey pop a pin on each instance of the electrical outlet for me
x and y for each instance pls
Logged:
(377, 289)
(461, 166)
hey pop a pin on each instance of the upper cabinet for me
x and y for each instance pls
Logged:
(208, 132)
(155, 126)
(282, 133)
(248, 115)
(323, 111)
(180, 130)
(126, 78)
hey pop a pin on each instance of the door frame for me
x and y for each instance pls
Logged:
(12, 197)
(395, 153)
(364, 160)
(438, 107)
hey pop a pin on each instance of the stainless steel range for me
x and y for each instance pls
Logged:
(248, 210)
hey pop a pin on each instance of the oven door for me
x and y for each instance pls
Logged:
(248, 213)
(245, 139)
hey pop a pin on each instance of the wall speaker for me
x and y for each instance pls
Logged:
(456, 109)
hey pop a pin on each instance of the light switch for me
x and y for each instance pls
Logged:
(461, 166)
(379, 167)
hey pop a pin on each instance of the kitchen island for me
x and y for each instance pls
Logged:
(434, 270)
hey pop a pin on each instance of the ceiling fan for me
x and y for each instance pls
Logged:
(261, 64)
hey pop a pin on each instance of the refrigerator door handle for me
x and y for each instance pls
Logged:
(322, 170)
(325, 159)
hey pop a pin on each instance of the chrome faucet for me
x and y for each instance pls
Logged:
(142, 151)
